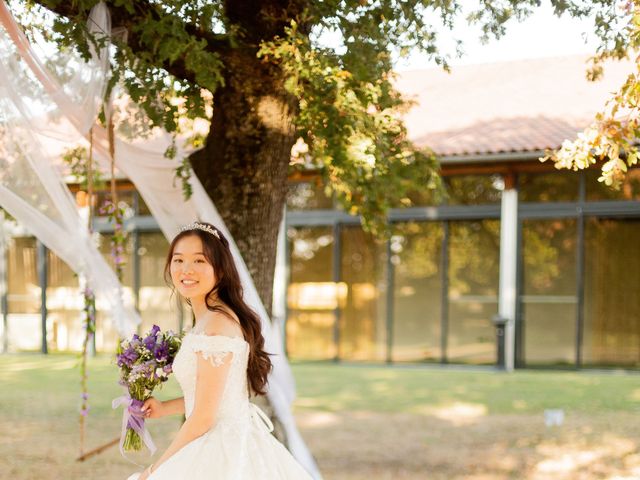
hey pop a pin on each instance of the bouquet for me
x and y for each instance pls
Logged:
(144, 364)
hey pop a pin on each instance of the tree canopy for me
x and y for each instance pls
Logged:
(264, 76)
(346, 109)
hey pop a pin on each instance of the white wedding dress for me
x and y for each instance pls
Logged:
(239, 446)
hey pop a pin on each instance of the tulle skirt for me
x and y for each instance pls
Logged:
(231, 451)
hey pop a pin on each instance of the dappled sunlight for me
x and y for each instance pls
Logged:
(318, 420)
(519, 405)
(53, 365)
(635, 395)
(457, 413)
(306, 402)
(563, 461)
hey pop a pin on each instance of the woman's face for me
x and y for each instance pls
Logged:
(192, 275)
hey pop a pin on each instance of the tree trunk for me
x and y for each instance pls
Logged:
(244, 165)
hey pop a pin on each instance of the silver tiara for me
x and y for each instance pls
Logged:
(200, 226)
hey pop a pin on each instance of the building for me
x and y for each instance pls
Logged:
(570, 269)
(553, 250)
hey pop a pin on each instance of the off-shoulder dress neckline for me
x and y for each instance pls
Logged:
(202, 334)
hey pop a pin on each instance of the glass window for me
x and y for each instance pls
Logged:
(312, 295)
(549, 291)
(24, 318)
(24, 287)
(363, 316)
(157, 302)
(106, 334)
(474, 252)
(611, 334)
(630, 189)
(143, 208)
(416, 255)
(474, 189)
(308, 196)
(64, 303)
(559, 186)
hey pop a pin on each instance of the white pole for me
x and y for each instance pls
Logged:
(508, 262)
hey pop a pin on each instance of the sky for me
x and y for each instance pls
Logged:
(541, 35)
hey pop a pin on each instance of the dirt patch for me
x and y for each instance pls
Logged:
(365, 446)
(368, 446)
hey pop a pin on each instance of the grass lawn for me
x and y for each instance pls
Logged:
(361, 422)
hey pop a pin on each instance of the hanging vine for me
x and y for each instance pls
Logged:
(89, 309)
(80, 163)
(115, 212)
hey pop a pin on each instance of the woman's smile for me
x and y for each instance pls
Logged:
(188, 282)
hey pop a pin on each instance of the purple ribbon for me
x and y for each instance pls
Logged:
(133, 418)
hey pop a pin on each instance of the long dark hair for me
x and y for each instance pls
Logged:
(228, 290)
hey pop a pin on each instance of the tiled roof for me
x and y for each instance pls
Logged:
(518, 106)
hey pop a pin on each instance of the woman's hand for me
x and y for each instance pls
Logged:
(152, 408)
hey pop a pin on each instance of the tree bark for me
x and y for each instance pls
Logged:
(244, 164)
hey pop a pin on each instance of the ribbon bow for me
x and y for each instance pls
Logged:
(260, 419)
(133, 418)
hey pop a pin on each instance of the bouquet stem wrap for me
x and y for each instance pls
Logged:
(133, 433)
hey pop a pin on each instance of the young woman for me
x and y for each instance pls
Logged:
(220, 363)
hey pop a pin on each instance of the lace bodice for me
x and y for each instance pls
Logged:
(215, 348)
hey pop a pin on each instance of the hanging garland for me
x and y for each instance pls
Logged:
(89, 309)
(115, 212)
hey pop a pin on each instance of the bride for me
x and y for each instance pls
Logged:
(221, 360)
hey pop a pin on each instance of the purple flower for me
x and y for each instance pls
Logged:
(162, 351)
(150, 342)
(135, 342)
(167, 369)
(128, 357)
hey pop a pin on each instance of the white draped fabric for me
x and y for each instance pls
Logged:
(31, 189)
(142, 160)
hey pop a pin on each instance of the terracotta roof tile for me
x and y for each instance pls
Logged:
(518, 106)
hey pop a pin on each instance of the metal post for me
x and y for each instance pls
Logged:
(4, 289)
(136, 272)
(508, 267)
(444, 299)
(390, 303)
(519, 325)
(337, 276)
(580, 273)
(42, 280)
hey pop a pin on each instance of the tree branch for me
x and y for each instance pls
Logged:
(123, 18)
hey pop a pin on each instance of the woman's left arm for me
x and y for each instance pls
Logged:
(210, 382)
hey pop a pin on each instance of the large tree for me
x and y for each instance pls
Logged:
(272, 78)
